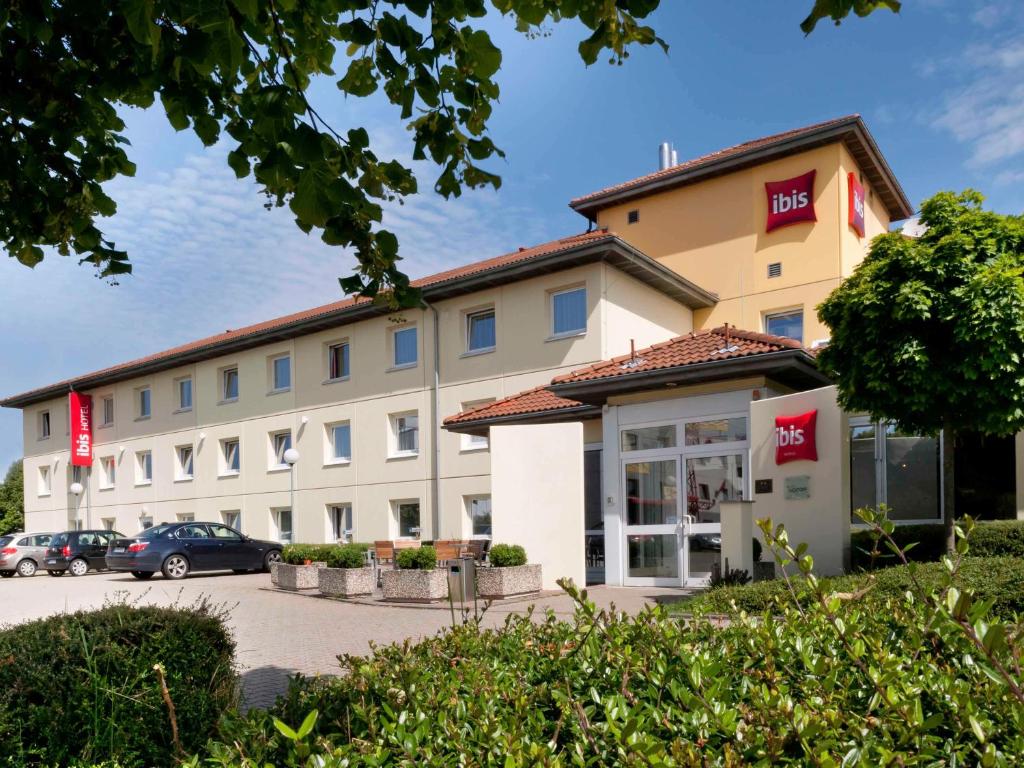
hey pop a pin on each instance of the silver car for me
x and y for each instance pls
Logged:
(22, 553)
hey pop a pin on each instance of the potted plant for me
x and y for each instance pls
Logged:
(508, 573)
(763, 571)
(347, 573)
(417, 579)
(299, 566)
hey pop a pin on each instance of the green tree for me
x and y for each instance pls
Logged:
(929, 332)
(243, 68)
(12, 500)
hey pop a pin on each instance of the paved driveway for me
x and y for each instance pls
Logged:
(277, 633)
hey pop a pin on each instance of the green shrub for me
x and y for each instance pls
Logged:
(81, 687)
(999, 537)
(989, 539)
(419, 559)
(506, 555)
(346, 556)
(298, 554)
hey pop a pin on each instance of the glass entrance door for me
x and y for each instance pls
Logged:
(653, 522)
(710, 480)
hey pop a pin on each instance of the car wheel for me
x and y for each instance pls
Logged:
(27, 568)
(142, 575)
(175, 567)
(78, 567)
(273, 556)
(55, 573)
(6, 574)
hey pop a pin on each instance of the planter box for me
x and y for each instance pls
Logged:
(764, 571)
(297, 577)
(345, 582)
(412, 586)
(496, 583)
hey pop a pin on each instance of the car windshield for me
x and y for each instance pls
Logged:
(156, 531)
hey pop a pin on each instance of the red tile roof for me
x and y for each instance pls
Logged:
(723, 343)
(212, 342)
(536, 400)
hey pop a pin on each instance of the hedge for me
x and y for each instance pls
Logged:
(1000, 579)
(506, 555)
(346, 556)
(990, 539)
(81, 687)
(420, 559)
(298, 554)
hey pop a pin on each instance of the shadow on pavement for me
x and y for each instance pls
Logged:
(262, 685)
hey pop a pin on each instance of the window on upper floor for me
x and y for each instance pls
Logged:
(108, 411)
(144, 403)
(339, 439)
(280, 442)
(143, 467)
(789, 324)
(405, 434)
(45, 484)
(108, 472)
(229, 384)
(44, 425)
(569, 312)
(280, 373)
(405, 347)
(186, 460)
(481, 333)
(231, 458)
(337, 361)
(184, 387)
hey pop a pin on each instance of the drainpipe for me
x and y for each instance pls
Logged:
(435, 457)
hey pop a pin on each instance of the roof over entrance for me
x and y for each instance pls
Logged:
(702, 356)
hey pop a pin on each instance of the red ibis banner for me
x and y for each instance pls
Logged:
(795, 437)
(81, 429)
(790, 201)
(856, 195)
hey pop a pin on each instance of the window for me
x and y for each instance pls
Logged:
(408, 516)
(475, 442)
(44, 481)
(280, 443)
(184, 394)
(185, 462)
(788, 324)
(232, 518)
(143, 467)
(229, 384)
(108, 411)
(283, 523)
(648, 438)
(717, 431)
(44, 425)
(633, 217)
(569, 312)
(337, 361)
(899, 469)
(230, 451)
(108, 523)
(405, 430)
(340, 437)
(479, 508)
(145, 402)
(480, 331)
(145, 522)
(775, 269)
(405, 347)
(186, 518)
(340, 516)
(107, 472)
(281, 373)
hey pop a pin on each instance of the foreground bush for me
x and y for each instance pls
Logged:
(823, 680)
(989, 539)
(82, 686)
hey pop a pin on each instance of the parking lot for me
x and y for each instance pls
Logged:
(277, 633)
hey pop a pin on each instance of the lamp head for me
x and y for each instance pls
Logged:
(291, 456)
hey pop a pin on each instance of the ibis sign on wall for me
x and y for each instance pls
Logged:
(795, 437)
(790, 201)
(80, 408)
(856, 195)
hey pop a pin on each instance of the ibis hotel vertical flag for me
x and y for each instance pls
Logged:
(81, 429)
(856, 195)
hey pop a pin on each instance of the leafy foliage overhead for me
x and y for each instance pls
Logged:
(837, 10)
(238, 71)
(929, 332)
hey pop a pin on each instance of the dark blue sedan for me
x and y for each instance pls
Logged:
(177, 549)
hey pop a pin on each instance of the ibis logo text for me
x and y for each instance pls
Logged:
(790, 201)
(80, 411)
(795, 438)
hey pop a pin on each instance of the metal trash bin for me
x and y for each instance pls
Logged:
(462, 580)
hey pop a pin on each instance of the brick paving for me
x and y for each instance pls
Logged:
(279, 634)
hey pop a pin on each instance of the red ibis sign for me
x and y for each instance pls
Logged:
(856, 195)
(790, 201)
(80, 407)
(795, 437)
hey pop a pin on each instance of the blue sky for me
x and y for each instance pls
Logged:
(941, 87)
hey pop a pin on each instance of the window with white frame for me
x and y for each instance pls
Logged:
(45, 481)
(280, 373)
(108, 471)
(108, 411)
(231, 456)
(232, 518)
(337, 361)
(145, 521)
(475, 442)
(569, 312)
(900, 469)
(407, 518)
(44, 425)
(143, 467)
(479, 510)
(789, 324)
(340, 518)
(144, 403)
(280, 442)
(339, 440)
(184, 387)
(481, 332)
(186, 458)
(405, 434)
(283, 523)
(108, 523)
(405, 347)
(229, 384)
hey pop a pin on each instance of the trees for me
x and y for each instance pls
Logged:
(12, 505)
(929, 333)
(238, 71)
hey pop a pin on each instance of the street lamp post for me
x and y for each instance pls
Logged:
(290, 457)
(76, 489)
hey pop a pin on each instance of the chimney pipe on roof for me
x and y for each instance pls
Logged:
(675, 157)
(664, 156)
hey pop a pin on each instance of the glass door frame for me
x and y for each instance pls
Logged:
(692, 527)
(660, 529)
